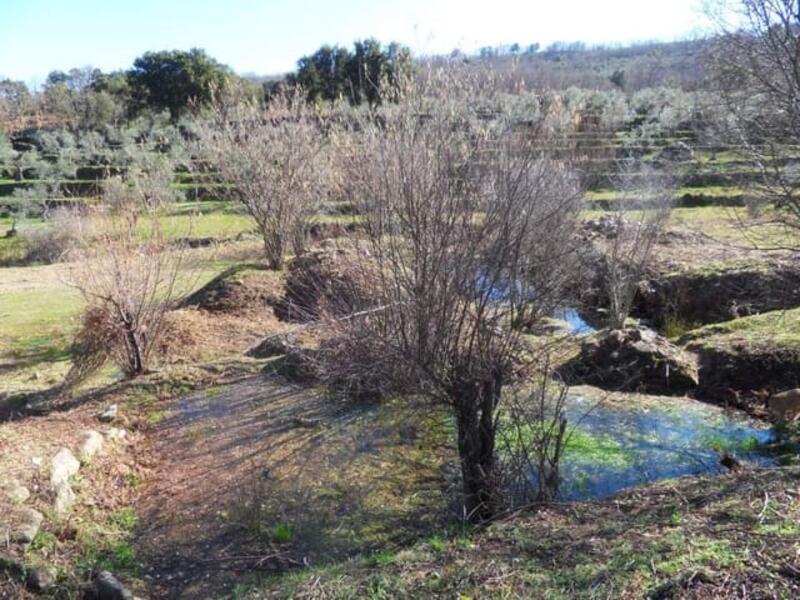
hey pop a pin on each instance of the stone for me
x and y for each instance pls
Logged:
(20, 525)
(11, 566)
(108, 414)
(116, 434)
(607, 225)
(65, 497)
(107, 587)
(15, 491)
(91, 443)
(636, 359)
(41, 579)
(63, 466)
(274, 345)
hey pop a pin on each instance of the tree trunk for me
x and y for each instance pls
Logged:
(274, 250)
(475, 404)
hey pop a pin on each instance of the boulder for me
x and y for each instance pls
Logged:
(108, 414)
(19, 525)
(42, 579)
(65, 497)
(14, 491)
(107, 587)
(63, 466)
(91, 443)
(274, 345)
(636, 359)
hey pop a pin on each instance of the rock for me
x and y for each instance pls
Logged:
(20, 525)
(730, 462)
(14, 491)
(11, 566)
(63, 466)
(108, 414)
(91, 443)
(65, 497)
(115, 434)
(607, 226)
(41, 579)
(274, 345)
(107, 587)
(636, 359)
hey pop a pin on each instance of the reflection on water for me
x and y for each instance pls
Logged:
(614, 446)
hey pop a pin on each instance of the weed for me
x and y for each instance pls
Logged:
(43, 544)
(437, 544)
(282, 533)
(156, 417)
(124, 519)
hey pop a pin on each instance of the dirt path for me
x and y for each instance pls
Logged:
(211, 448)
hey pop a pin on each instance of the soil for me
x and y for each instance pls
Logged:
(211, 451)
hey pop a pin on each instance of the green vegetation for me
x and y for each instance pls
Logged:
(645, 544)
(777, 329)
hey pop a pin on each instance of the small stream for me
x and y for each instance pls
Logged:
(619, 444)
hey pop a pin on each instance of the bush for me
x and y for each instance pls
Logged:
(50, 243)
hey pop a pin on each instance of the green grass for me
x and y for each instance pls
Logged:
(778, 329)
(643, 545)
(585, 448)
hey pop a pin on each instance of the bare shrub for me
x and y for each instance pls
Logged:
(638, 216)
(271, 159)
(458, 211)
(63, 231)
(129, 279)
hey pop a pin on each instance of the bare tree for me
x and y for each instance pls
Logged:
(129, 282)
(636, 218)
(458, 211)
(756, 72)
(128, 273)
(271, 159)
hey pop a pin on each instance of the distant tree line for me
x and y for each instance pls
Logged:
(368, 73)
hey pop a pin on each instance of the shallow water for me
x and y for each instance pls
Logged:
(577, 323)
(616, 445)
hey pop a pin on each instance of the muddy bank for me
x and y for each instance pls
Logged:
(743, 360)
(703, 296)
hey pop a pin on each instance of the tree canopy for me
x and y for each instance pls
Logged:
(368, 73)
(173, 79)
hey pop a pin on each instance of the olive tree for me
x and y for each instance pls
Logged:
(459, 213)
(271, 160)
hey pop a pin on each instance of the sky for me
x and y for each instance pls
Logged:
(268, 36)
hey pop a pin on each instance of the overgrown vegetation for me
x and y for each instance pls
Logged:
(410, 229)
